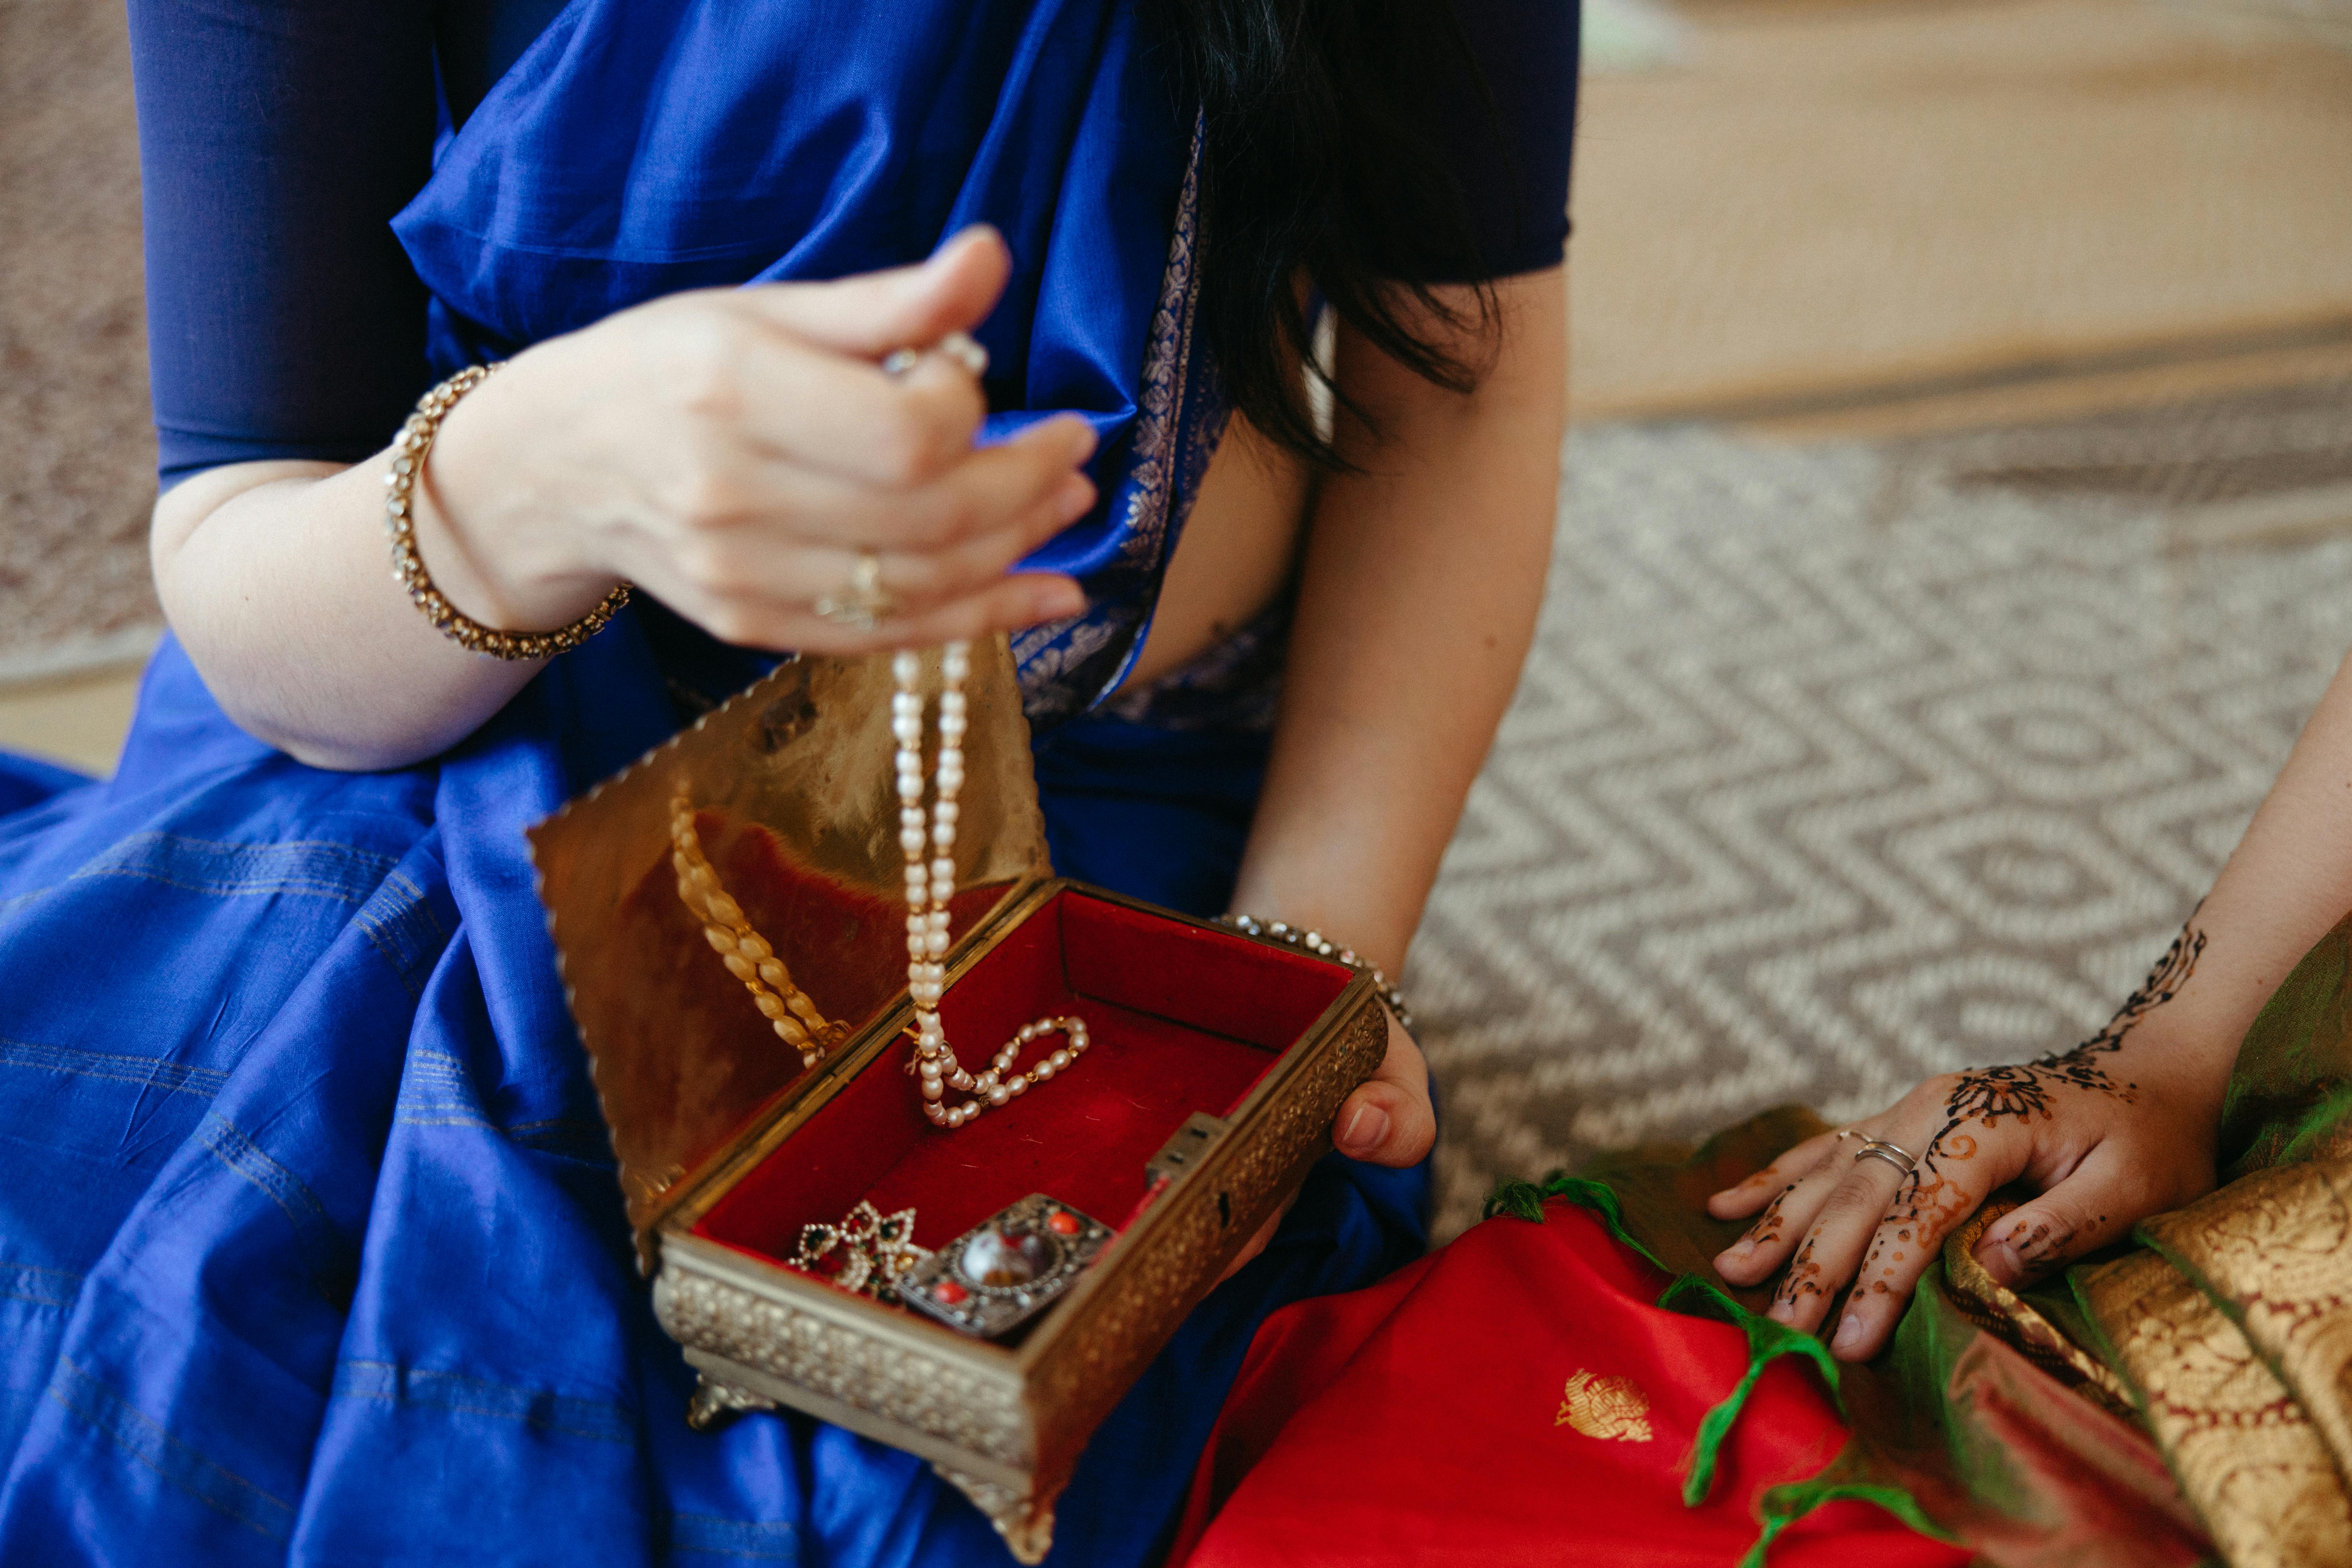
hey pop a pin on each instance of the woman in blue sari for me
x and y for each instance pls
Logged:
(310, 1245)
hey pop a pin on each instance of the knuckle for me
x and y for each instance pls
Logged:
(1936, 1090)
(705, 361)
(732, 621)
(705, 498)
(710, 566)
(968, 618)
(705, 490)
(902, 448)
(1849, 1201)
(939, 428)
(944, 518)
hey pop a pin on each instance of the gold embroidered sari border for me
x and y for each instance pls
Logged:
(2247, 1456)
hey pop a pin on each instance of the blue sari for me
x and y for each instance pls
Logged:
(310, 1246)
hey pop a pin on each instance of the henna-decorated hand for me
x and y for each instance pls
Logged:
(2109, 1134)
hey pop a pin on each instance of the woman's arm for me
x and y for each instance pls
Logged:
(2119, 1128)
(731, 451)
(1421, 582)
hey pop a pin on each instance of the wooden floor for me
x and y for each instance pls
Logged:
(1844, 201)
(78, 721)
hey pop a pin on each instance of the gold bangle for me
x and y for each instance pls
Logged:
(1321, 946)
(415, 439)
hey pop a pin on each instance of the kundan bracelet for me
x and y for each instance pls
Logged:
(1322, 946)
(415, 439)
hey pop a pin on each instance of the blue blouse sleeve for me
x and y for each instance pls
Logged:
(1509, 145)
(277, 137)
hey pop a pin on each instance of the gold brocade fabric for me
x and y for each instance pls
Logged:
(2000, 1311)
(2277, 1246)
(2248, 1457)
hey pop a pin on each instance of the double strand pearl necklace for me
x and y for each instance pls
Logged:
(929, 888)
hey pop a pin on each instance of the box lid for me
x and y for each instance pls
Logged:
(792, 793)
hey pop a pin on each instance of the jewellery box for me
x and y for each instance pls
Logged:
(1217, 1062)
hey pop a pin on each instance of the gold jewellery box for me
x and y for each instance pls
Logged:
(1216, 1062)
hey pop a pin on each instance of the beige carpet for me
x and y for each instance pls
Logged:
(77, 457)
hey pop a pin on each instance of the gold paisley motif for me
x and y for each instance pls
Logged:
(2248, 1458)
(2277, 1244)
(1611, 1408)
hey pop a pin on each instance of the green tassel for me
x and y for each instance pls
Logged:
(1783, 1506)
(1520, 1200)
(1766, 1340)
(1525, 1200)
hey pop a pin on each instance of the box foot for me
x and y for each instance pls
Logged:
(1027, 1528)
(715, 1404)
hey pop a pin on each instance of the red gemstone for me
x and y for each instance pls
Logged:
(1062, 1222)
(950, 1293)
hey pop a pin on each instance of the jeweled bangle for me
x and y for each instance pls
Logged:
(415, 439)
(1322, 946)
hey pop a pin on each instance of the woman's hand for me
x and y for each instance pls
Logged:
(1388, 1120)
(2111, 1133)
(733, 451)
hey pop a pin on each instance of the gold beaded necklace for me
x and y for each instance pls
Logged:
(744, 950)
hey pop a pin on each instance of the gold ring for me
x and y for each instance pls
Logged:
(1879, 1149)
(864, 603)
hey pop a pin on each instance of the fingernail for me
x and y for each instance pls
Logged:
(1740, 1251)
(1849, 1333)
(1783, 1312)
(1366, 1129)
(2000, 1260)
(959, 238)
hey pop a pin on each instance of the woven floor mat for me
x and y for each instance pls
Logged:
(1839, 765)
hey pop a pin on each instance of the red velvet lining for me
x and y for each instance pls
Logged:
(848, 948)
(1182, 1019)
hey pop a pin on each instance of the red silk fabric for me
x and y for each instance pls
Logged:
(1515, 1398)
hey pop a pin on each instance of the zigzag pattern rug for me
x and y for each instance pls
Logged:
(1835, 767)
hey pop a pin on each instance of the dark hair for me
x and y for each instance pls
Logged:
(1325, 157)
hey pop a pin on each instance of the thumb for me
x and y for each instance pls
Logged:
(872, 314)
(1389, 1121)
(2087, 1211)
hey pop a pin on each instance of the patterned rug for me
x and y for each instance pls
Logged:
(1838, 766)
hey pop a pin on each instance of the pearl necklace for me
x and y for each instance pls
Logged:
(929, 888)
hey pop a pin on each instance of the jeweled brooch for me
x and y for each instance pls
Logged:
(1006, 1269)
